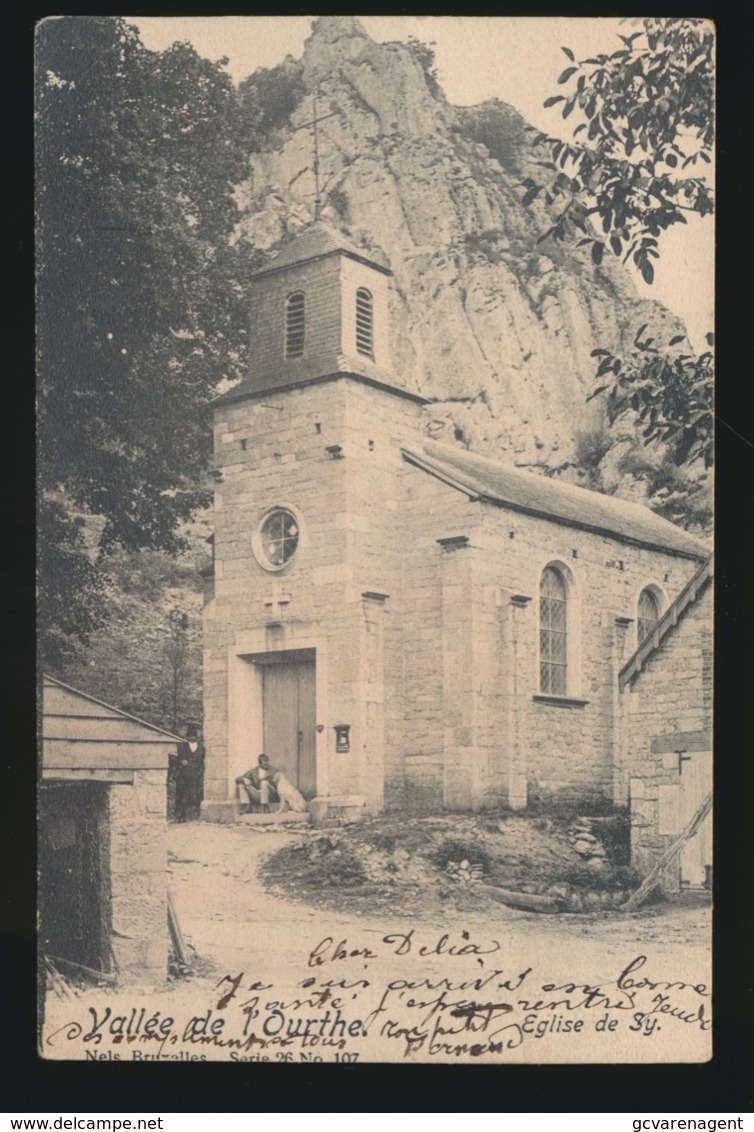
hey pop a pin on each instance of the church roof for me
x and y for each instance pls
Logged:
(315, 242)
(564, 503)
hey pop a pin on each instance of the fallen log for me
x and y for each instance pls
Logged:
(528, 901)
(653, 878)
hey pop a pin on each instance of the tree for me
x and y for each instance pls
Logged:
(671, 395)
(176, 655)
(140, 297)
(269, 97)
(644, 117)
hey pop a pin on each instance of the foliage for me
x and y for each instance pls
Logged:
(670, 394)
(147, 656)
(424, 54)
(338, 199)
(496, 126)
(591, 448)
(268, 98)
(607, 879)
(647, 110)
(671, 492)
(322, 863)
(140, 296)
(615, 834)
(644, 119)
(66, 566)
(453, 849)
(485, 243)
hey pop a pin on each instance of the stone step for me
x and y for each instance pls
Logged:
(289, 816)
(226, 813)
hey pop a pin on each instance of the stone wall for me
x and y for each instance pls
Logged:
(476, 728)
(138, 877)
(569, 744)
(672, 694)
(331, 453)
(422, 607)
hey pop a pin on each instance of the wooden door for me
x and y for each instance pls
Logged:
(696, 781)
(290, 720)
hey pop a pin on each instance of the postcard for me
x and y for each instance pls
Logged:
(375, 514)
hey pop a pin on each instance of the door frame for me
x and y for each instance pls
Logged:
(291, 723)
(703, 835)
(245, 699)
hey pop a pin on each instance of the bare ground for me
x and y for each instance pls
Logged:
(226, 909)
(267, 942)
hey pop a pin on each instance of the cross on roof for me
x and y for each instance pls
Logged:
(316, 119)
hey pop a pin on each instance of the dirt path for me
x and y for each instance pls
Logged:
(229, 917)
(408, 984)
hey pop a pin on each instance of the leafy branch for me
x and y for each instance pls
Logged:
(671, 395)
(644, 120)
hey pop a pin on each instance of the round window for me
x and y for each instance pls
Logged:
(278, 538)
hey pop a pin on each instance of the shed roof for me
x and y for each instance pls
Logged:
(82, 737)
(315, 242)
(519, 490)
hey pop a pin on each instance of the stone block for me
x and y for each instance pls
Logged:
(343, 807)
(138, 847)
(219, 809)
(636, 788)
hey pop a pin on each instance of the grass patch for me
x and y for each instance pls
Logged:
(607, 879)
(452, 849)
(322, 863)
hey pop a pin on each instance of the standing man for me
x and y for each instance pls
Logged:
(187, 774)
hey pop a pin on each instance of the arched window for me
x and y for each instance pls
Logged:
(295, 319)
(553, 630)
(648, 614)
(364, 322)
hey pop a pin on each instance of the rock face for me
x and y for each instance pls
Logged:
(493, 327)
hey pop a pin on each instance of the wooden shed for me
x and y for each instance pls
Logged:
(103, 836)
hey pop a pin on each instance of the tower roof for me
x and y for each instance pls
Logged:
(316, 242)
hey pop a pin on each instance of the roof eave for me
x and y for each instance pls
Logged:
(272, 268)
(477, 493)
(118, 711)
(242, 394)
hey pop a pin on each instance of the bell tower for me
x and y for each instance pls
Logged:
(308, 568)
(319, 308)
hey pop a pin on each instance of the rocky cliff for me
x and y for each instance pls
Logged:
(494, 327)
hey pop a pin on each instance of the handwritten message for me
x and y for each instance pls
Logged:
(341, 1009)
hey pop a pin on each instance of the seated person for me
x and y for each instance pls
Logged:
(259, 784)
(264, 784)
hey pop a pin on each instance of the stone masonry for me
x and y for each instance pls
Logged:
(138, 875)
(670, 696)
(415, 594)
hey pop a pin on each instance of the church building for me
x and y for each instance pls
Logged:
(398, 622)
